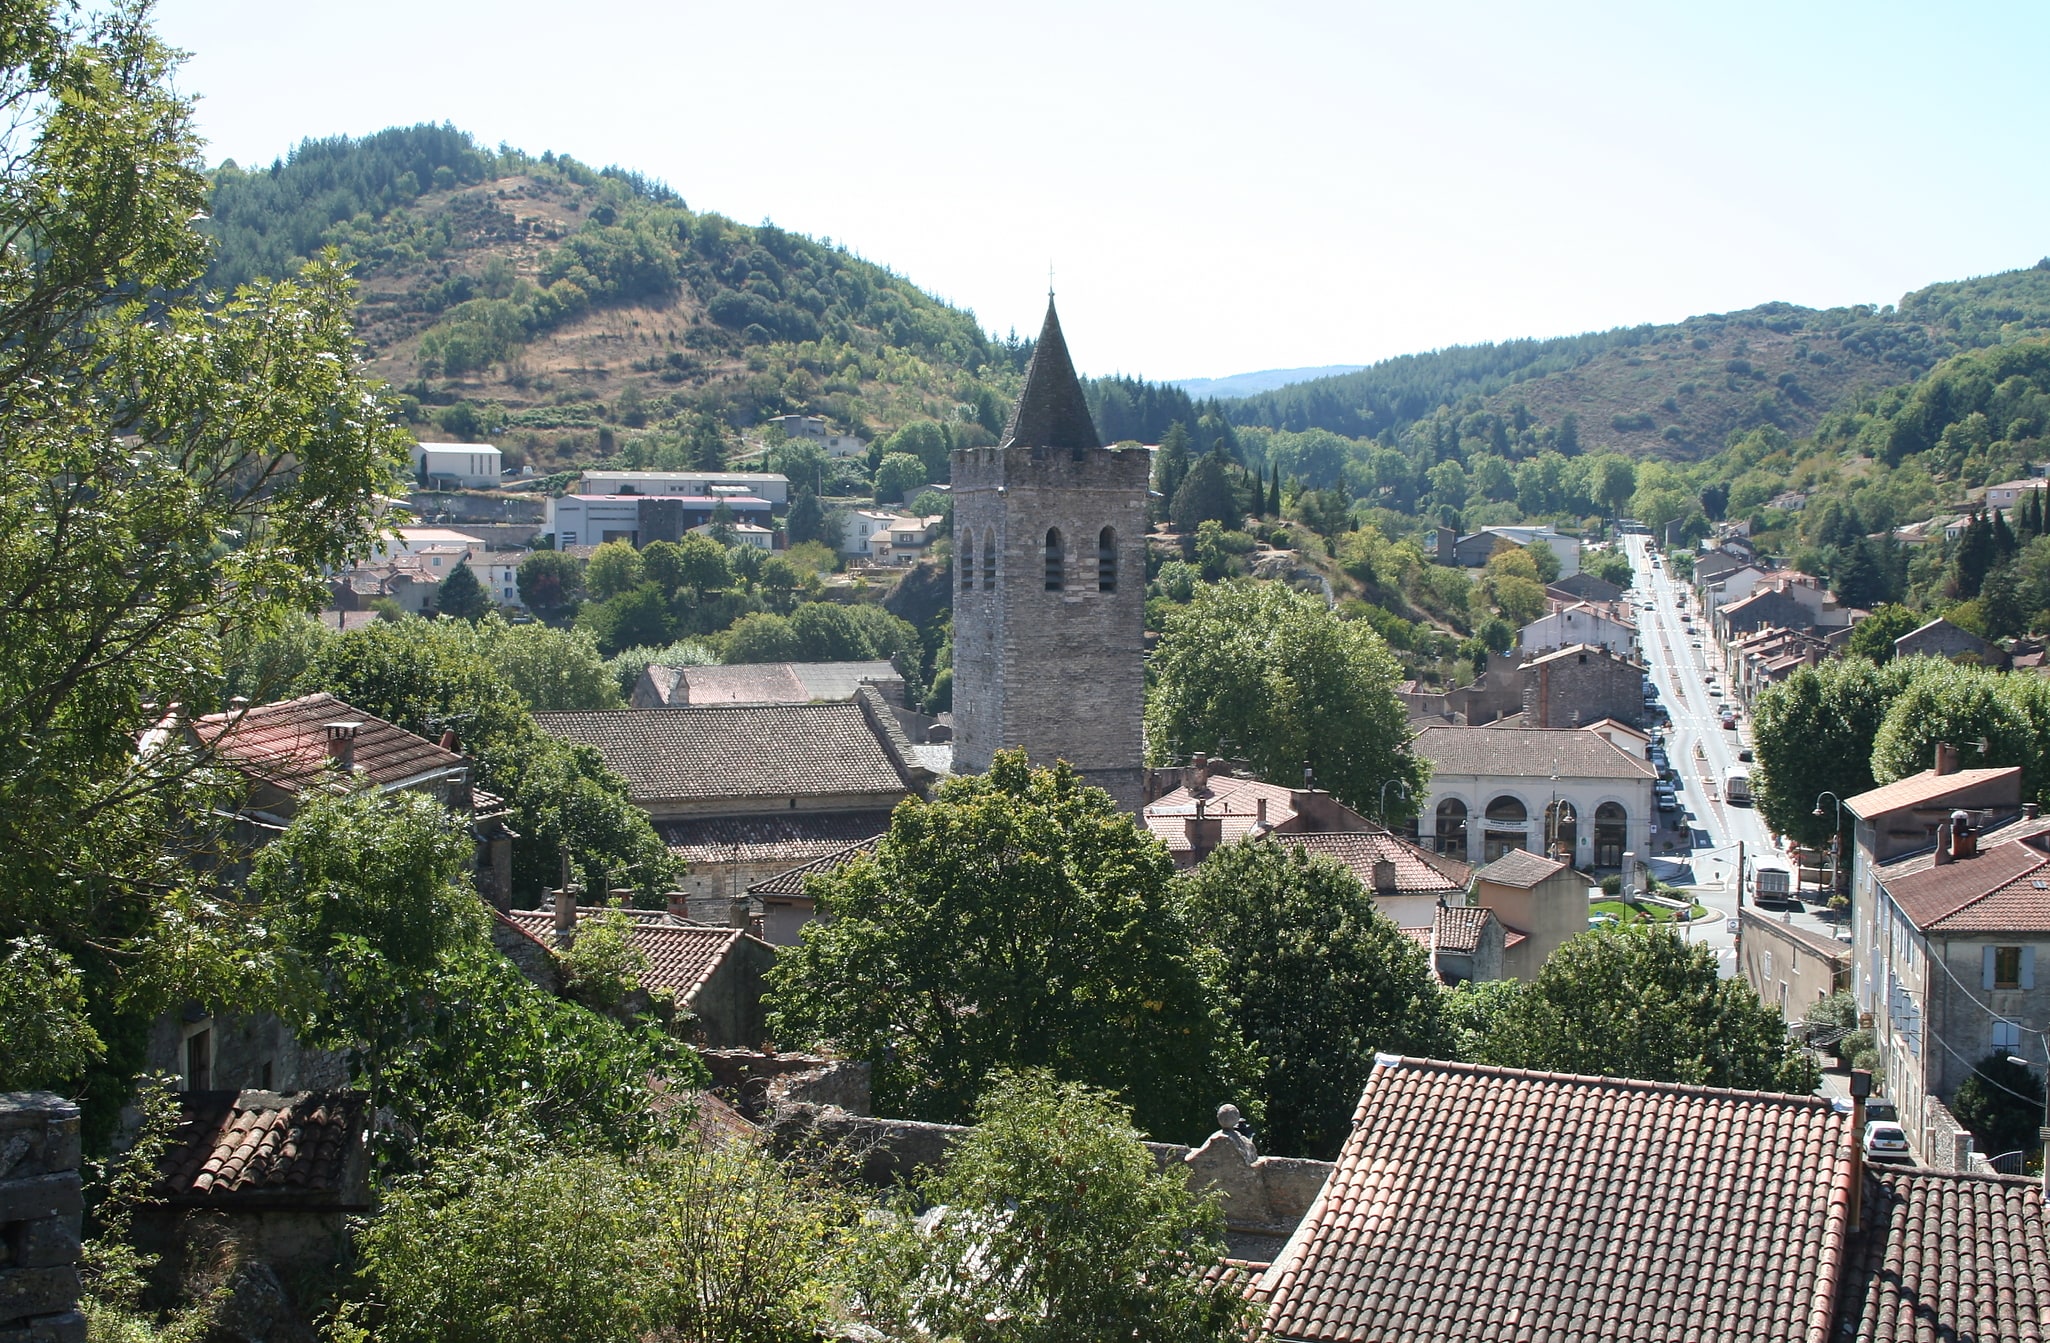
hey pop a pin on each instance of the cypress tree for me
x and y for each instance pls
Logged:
(1274, 493)
(462, 596)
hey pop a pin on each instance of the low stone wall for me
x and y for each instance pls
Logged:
(40, 1209)
(759, 1084)
(1947, 1144)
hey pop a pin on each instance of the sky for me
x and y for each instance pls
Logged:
(1225, 188)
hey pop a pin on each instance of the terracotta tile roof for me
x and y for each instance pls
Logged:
(1947, 1258)
(737, 751)
(792, 881)
(1521, 868)
(1236, 802)
(1417, 872)
(1923, 790)
(795, 838)
(1460, 928)
(1570, 753)
(780, 682)
(286, 743)
(1477, 1203)
(681, 956)
(260, 1146)
(1934, 897)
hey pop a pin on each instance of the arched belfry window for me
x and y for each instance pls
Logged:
(1056, 577)
(967, 561)
(1107, 560)
(989, 562)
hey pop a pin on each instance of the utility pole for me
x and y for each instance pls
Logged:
(1740, 874)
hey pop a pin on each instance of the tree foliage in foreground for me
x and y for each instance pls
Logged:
(2002, 1104)
(1260, 672)
(176, 471)
(1018, 920)
(1642, 1002)
(1320, 980)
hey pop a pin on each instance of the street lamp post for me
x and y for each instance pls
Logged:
(1836, 839)
(1397, 782)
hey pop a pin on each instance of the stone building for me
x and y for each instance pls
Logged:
(1050, 579)
(1566, 791)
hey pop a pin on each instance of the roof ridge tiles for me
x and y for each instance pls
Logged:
(1392, 1061)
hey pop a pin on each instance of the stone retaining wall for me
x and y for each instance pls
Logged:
(40, 1209)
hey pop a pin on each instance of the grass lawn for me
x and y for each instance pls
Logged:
(1627, 912)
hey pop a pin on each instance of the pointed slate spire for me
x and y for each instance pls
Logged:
(1051, 413)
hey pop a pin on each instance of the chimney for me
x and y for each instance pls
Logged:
(1309, 778)
(679, 906)
(1946, 759)
(1861, 1087)
(2029, 811)
(448, 740)
(238, 704)
(1199, 774)
(565, 914)
(1205, 832)
(1942, 843)
(1964, 840)
(341, 745)
(1384, 877)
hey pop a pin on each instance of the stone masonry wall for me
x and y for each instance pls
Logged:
(1058, 673)
(40, 1209)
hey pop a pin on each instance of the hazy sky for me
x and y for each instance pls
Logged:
(1229, 188)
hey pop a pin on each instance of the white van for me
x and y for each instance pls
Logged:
(1737, 786)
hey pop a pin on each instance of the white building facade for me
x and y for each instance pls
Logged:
(469, 466)
(1568, 793)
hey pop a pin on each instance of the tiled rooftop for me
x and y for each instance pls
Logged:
(791, 883)
(795, 838)
(286, 743)
(737, 751)
(1569, 753)
(1479, 1203)
(1460, 927)
(1417, 872)
(781, 682)
(1520, 868)
(1993, 891)
(1947, 1258)
(1234, 802)
(245, 1146)
(681, 956)
(1919, 790)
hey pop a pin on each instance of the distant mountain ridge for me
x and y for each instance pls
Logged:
(1266, 380)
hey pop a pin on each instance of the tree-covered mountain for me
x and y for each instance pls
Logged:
(573, 313)
(1679, 390)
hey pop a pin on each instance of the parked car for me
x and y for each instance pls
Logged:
(1886, 1141)
(1745, 755)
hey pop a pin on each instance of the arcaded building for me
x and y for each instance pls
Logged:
(1050, 587)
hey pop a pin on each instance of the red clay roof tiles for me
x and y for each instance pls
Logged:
(681, 956)
(257, 1145)
(1947, 1258)
(1479, 1203)
(1950, 897)
(1417, 872)
(286, 743)
(1921, 790)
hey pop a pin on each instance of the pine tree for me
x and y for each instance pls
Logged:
(2004, 543)
(1274, 493)
(806, 518)
(462, 596)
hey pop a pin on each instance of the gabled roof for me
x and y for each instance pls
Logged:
(787, 838)
(1569, 752)
(1460, 928)
(710, 752)
(1947, 1258)
(1476, 1203)
(681, 956)
(286, 744)
(242, 1147)
(1233, 801)
(1051, 411)
(1521, 868)
(1927, 789)
(791, 883)
(2002, 888)
(1417, 871)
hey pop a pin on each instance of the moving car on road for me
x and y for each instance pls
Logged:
(1737, 786)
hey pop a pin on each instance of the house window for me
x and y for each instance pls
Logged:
(989, 562)
(2007, 1038)
(967, 561)
(1107, 560)
(199, 1060)
(1768, 965)
(1055, 570)
(1451, 828)
(2007, 967)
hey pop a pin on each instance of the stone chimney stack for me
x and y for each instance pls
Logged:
(449, 741)
(1946, 759)
(1384, 877)
(1943, 854)
(341, 745)
(1964, 840)
(1205, 832)
(1260, 812)
(565, 913)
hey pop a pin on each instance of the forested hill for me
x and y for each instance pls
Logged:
(1678, 390)
(573, 313)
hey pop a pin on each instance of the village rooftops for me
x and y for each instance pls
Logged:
(1497, 752)
(1475, 1203)
(767, 682)
(1926, 789)
(2000, 887)
(791, 883)
(298, 743)
(682, 957)
(1945, 1258)
(1522, 869)
(1416, 870)
(260, 1148)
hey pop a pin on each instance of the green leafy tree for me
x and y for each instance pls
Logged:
(1016, 920)
(1642, 1002)
(1205, 494)
(179, 468)
(1813, 733)
(1608, 565)
(807, 519)
(613, 568)
(426, 677)
(550, 669)
(1545, 560)
(551, 584)
(1873, 638)
(927, 441)
(461, 596)
(1060, 1227)
(640, 615)
(898, 477)
(1276, 677)
(49, 1043)
(2002, 1104)
(627, 667)
(1321, 980)
(1964, 705)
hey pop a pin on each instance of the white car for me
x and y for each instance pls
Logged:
(1886, 1141)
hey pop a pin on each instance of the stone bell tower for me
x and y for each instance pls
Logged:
(1050, 587)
